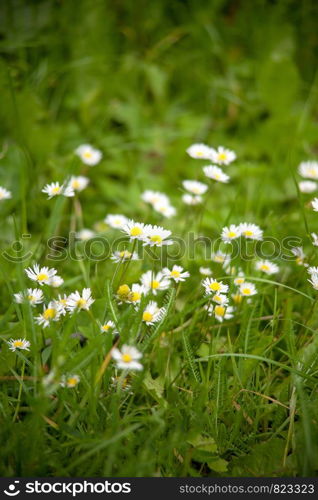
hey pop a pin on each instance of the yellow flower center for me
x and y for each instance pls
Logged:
(219, 310)
(123, 291)
(217, 176)
(217, 298)
(155, 284)
(239, 281)
(219, 258)
(18, 343)
(248, 233)
(196, 190)
(215, 286)
(126, 358)
(264, 267)
(42, 277)
(31, 297)
(105, 328)
(237, 298)
(175, 274)
(75, 184)
(147, 316)
(125, 254)
(199, 153)
(312, 172)
(231, 234)
(87, 154)
(56, 190)
(135, 231)
(134, 296)
(156, 238)
(72, 381)
(81, 303)
(222, 156)
(49, 313)
(246, 291)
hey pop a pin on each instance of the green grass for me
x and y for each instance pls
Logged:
(142, 81)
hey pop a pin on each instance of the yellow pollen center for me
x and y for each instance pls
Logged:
(75, 184)
(135, 231)
(312, 172)
(125, 254)
(215, 286)
(81, 303)
(42, 277)
(134, 296)
(248, 233)
(264, 267)
(126, 358)
(155, 284)
(71, 381)
(123, 291)
(217, 298)
(105, 328)
(147, 316)
(222, 156)
(56, 190)
(31, 297)
(219, 310)
(175, 274)
(199, 153)
(246, 291)
(239, 281)
(87, 154)
(18, 343)
(231, 234)
(156, 238)
(49, 313)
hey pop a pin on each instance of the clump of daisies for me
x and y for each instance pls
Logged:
(89, 155)
(220, 155)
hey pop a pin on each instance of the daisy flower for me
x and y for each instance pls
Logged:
(300, 255)
(155, 282)
(314, 239)
(85, 234)
(220, 312)
(308, 169)
(42, 275)
(50, 313)
(120, 256)
(108, 327)
(56, 281)
(189, 199)
(222, 156)
(152, 313)
(247, 289)
(312, 270)
(266, 266)
(176, 273)
(200, 151)
(314, 204)
(221, 258)
(195, 187)
(32, 295)
(136, 293)
(55, 189)
(206, 271)
(123, 293)
(251, 231)
(127, 358)
(22, 344)
(89, 155)
(230, 233)
(314, 281)
(215, 173)
(239, 280)
(164, 209)
(70, 381)
(156, 236)
(307, 186)
(220, 299)
(78, 183)
(5, 194)
(76, 301)
(154, 197)
(62, 303)
(135, 230)
(117, 221)
(211, 285)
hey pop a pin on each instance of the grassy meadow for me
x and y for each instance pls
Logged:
(145, 373)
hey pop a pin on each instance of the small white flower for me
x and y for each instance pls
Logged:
(308, 169)
(70, 381)
(136, 293)
(307, 186)
(154, 197)
(206, 271)
(22, 344)
(5, 194)
(85, 234)
(50, 313)
(117, 221)
(247, 289)
(32, 295)
(135, 230)
(108, 327)
(176, 273)
(164, 209)
(266, 266)
(251, 231)
(156, 236)
(215, 173)
(78, 183)
(195, 187)
(55, 189)
(230, 233)
(314, 204)
(56, 281)
(314, 239)
(41, 275)
(152, 313)
(88, 154)
(211, 286)
(221, 258)
(239, 279)
(220, 299)
(77, 302)
(189, 199)
(220, 312)
(314, 281)
(120, 256)
(300, 255)
(199, 151)
(127, 358)
(62, 302)
(312, 270)
(155, 282)
(222, 156)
